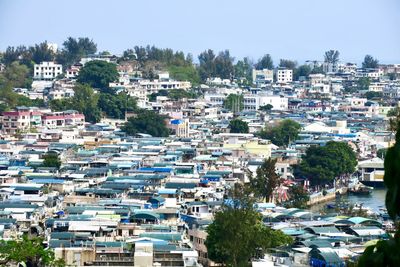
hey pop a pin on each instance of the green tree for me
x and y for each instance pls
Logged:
(51, 160)
(115, 106)
(298, 197)
(207, 68)
(370, 62)
(332, 56)
(178, 94)
(282, 133)
(266, 180)
(238, 126)
(98, 74)
(234, 103)
(322, 164)
(17, 75)
(184, 73)
(265, 63)
(288, 64)
(237, 233)
(243, 69)
(74, 49)
(224, 65)
(147, 122)
(301, 71)
(363, 84)
(85, 101)
(30, 251)
(267, 107)
(373, 95)
(41, 52)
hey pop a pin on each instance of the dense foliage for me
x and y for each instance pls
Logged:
(282, 133)
(29, 251)
(237, 233)
(74, 49)
(322, 164)
(370, 62)
(265, 181)
(215, 66)
(51, 160)
(98, 74)
(147, 122)
(238, 126)
(265, 63)
(332, 56)
(298, 197)
(234, 103)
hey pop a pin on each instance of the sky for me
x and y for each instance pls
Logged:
(290, 29)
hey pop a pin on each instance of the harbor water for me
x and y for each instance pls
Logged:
(375, 200)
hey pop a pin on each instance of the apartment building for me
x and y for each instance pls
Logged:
(47, 70)
(264, 76)
(284, 75)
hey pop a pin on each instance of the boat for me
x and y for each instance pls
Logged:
(361, 189)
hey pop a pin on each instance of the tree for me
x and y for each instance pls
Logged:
(41, 52)
(30, 251)
(115, 106)
(178, 94)
(207, 68)
(85, 101)
(298, 197)
(265, 63)
(51, 160)
(267, 107)
(147, 122)
(265, 181)
(238, 126)
(98, 74)
(332, 56)
(301, 71)
(184, 73)
(322, 164)
(224, 65)
(234, 103)
(281, 134)
(74, 49)
(363, 84)
(288, 64)
(237, 233)
(243, 69)
(17, 75)
(394, 118)
(373, 95)
(370, 62)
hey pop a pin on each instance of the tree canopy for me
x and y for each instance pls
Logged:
(30, 251)
(147, 122)
(215, 66)
(265, 181)
(370, 62)
(331, 56)
(238, 126)
(265, 63)
(238, 234)
(51, 160)
(322, 164)
(288, 64)
(282, 133)
(74, 49)
(98, 74)
(234, 103)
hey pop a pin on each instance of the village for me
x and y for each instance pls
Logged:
(138, 182)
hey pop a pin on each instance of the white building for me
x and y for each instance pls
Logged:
(284, 75)
(47, 70)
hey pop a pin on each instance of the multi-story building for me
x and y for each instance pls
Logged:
(73, 71)
(61, 119)
(46, 70)
(264, 76)
(14, 121)
(284, 75)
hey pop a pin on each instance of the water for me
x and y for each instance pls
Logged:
(375, 200)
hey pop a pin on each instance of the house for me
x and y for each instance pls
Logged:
(47, 70)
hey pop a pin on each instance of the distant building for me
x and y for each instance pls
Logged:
(284, 75)
(46, 70)
(264, 76)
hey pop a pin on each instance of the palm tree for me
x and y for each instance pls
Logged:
(332, 56)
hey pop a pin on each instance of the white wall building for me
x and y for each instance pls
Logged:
(263, 76)
(284, 75)
(47, 70)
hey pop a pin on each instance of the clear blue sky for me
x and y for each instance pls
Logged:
(292, 29)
